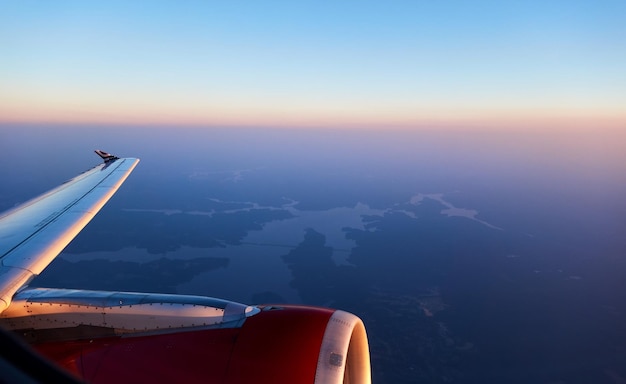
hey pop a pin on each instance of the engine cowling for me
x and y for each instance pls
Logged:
(279, 344)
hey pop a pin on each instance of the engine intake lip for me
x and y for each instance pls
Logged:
(344, 356)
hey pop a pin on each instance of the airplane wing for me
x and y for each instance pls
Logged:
(33, 234)
(128, 337)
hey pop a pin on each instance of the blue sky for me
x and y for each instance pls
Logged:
(327, 64)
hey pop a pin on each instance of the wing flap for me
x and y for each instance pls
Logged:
(33, 234)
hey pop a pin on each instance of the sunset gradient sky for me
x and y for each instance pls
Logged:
(406, 64)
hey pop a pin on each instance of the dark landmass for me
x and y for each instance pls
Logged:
(160, 233)
(159, 276)
(505, 309)
(316, 277)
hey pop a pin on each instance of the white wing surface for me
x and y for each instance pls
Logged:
(33, 234)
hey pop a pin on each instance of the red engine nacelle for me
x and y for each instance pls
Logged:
(280, 344)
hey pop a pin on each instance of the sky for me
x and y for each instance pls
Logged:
(353, 64)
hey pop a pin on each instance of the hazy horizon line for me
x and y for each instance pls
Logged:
(522, 124)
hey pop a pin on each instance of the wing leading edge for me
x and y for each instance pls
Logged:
(34, 233)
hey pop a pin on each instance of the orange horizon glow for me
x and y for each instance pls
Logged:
(346, 116)
(528, 120)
